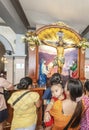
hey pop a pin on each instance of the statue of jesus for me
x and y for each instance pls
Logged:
(60, 51)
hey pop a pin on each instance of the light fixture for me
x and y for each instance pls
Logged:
(8, 52)
(4, 60)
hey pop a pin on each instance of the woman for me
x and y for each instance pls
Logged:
(25, 116)
(84, 125)
(67, 113)
(4, 84)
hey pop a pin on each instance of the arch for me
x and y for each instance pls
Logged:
(49, 32)
(6, 43)
(48, 35)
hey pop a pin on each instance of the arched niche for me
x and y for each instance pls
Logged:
(6, 43)
(49, 33)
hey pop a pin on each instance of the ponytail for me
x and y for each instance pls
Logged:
(75, 88)
(76, 117)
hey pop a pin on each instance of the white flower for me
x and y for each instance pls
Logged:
(31, 39)
(83, 44)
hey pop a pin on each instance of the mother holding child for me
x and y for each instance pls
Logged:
(67, 113)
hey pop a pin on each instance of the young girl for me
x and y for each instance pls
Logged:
(57, 93)
(67, 113)
(85, 117)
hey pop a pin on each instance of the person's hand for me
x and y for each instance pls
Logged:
(10, 87)
(47, 117)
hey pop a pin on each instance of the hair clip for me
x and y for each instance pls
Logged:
(60, 81)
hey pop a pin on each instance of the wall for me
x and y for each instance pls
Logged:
(2, 51)
(14, 73)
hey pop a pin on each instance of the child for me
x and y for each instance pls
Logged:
(85, 118)
(57, 93)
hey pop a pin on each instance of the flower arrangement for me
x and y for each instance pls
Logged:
(32, 39)
(83, 44)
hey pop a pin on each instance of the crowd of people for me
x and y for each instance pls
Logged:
(66, 107)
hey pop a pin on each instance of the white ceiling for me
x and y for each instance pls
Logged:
(72, 12)
(44, 12)
(2, 21)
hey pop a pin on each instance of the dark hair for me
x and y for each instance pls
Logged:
(75, 88)
(86, 85)
(56, 79)
(24, 83)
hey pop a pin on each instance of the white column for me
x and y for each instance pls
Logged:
(9, 67)
(19, 68)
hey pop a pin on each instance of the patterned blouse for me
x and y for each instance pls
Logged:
(84, 125)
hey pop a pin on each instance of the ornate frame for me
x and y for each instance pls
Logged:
(48, 32)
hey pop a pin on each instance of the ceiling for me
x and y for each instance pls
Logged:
(21, 15)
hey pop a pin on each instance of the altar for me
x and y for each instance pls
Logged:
(49, 52)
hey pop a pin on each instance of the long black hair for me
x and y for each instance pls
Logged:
(75, 88)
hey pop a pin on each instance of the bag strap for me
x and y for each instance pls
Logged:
(20, 97)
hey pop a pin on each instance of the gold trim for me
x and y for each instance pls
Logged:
(49, 33)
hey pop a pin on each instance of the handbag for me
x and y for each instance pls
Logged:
(6, 94)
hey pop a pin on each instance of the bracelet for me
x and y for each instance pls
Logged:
(46, 111)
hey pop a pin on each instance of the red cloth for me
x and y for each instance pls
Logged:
(49, 123)
(75, 74)
(55, 99)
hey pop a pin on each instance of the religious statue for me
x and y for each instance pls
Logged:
(42, 73)
(60, 51)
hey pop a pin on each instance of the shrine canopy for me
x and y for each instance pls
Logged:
(49, 33)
